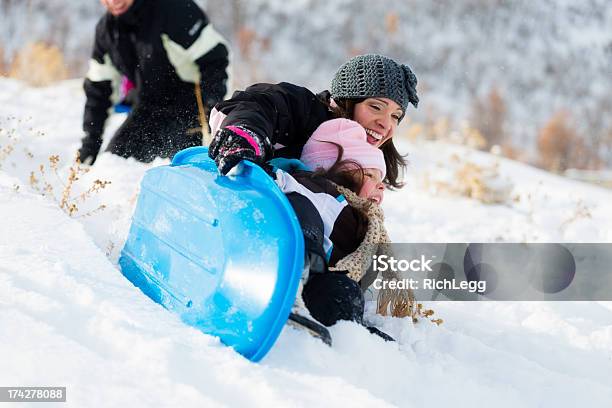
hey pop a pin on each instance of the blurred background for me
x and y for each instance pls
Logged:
(529, 80)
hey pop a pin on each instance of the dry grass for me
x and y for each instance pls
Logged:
(463, 133)
(489, 116)
(392, 22)
(510, 151)
(11, 129)
(2, 65)
(561, 147)
(66, 200)
(8, 140)
(246, 41)
(581, 211)
(468, 179)
(38, 64)
(400, 303)
(444, 130)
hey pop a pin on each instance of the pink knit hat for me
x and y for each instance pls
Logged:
(319, 153)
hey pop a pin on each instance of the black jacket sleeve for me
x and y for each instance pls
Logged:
(98, 85)
(346, 234)
(188, 26)
(346, 231)
(285, 113)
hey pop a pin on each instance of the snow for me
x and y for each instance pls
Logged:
(69, 318)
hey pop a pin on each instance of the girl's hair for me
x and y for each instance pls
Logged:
(396, 163)
(349, 174)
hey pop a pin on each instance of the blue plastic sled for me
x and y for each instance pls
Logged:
(226, 253)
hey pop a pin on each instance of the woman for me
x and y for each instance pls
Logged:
(276, 120)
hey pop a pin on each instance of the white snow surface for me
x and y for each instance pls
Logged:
(69, 318)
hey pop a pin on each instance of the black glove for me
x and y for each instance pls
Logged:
(232, 144)
(90, 147)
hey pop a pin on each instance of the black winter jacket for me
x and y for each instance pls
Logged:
(163, 47)
(317, 200)
(287, 114)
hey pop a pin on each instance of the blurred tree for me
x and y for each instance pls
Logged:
(561, 147)
(489, 116)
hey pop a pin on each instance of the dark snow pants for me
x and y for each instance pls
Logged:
(148, 133)
(328, 296)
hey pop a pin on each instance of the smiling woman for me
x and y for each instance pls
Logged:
(371, 89)
(379, 117)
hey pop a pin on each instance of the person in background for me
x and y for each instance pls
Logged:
(177, 63)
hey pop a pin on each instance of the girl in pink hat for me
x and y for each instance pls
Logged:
(363, 164)
(336, 190)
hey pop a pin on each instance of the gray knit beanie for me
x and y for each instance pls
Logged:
(373, 75)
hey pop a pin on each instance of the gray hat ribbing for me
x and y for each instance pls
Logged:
(373, 75)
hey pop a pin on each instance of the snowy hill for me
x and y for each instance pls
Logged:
(69, 318)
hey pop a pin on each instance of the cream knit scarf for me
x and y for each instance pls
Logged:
(357, 263)
(399, 303)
